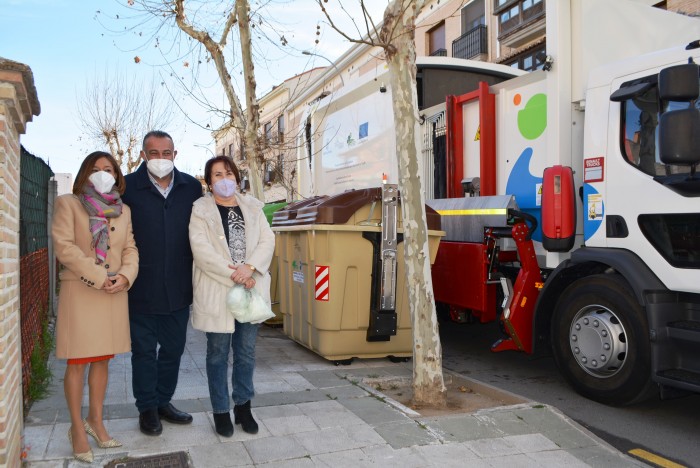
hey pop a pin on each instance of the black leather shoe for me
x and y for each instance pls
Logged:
(149, 422)
(174, 415)
(223, 424)
(244, 417)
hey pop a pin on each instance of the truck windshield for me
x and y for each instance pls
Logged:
(639, 134)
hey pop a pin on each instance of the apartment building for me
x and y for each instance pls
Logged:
(278, 126)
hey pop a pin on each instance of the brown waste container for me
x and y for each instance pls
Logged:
(327, 256)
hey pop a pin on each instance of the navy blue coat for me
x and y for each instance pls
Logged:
(161, 225)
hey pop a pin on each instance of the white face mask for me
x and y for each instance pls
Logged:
(224, 188)
(160, 167)
(102, 181)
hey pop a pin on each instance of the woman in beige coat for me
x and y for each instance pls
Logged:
(232, 243)
(93, 241)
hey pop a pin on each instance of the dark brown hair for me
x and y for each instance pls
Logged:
(228, 162)
(86, 170)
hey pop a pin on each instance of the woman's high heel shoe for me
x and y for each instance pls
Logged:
(111, 443)
(86, 457)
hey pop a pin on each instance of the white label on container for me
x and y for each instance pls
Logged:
(298, 276)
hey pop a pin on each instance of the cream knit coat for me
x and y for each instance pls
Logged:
(211, 275)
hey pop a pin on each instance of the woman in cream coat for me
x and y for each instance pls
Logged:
(93, 240)
(232, 243)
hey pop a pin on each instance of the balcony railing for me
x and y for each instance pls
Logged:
(471, 44)
(439, 53)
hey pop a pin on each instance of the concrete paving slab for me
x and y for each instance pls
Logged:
(324, 379)
(288, 398)
(338, 439)
(569, 438)
(329, 413)
(447, 454)
(304, 462)
(348, 391)
(508, 423)
(407, 433)
(36, 441)
(462, 428)
(355, 458)
(268, 449)
(488, 448)
(290, 425)
(530, 443)
(281, 411)
(513, 461)
(220, 456)
(556, 459)
(386, 456)
(372, 411)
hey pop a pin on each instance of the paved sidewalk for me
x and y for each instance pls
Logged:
(314, 414)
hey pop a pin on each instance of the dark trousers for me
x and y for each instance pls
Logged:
(157, 344)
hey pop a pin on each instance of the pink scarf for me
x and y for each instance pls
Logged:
(100, 206)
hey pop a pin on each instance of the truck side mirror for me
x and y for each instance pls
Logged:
(679, 137)
(679, 83)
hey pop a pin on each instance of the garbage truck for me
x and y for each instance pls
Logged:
(569, 198)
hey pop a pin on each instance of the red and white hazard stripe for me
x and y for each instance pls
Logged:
(322, 283)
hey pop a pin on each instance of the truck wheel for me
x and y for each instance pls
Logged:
(600, 340)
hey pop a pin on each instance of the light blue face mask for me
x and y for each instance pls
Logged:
(224, 188)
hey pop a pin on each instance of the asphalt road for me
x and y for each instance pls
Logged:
(669, 428)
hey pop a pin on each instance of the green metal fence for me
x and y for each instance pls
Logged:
(34, 259)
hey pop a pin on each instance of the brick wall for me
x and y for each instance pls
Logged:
(18, 103)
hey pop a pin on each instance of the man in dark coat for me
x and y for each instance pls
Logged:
(160, 198)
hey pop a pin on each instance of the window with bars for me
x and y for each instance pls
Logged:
(473, 15)
(280, 129)
(268, 132)
(436, 40)
(474, 38)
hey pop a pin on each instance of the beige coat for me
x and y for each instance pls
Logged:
(91, 322)
(211, 275)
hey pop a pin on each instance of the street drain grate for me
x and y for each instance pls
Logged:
(165, 460)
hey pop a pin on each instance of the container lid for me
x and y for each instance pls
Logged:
(287, 216)
(338, 209)
(270, 208)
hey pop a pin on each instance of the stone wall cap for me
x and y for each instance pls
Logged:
(28, 76)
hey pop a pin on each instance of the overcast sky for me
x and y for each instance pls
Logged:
(67, 42)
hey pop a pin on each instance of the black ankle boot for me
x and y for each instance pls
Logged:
(244, 417)
(223, 424)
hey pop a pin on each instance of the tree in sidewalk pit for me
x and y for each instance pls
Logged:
(202, 22)
(395, 36)
(117, 111)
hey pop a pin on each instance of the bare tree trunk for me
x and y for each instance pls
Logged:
(248, 125)
(252, 115)
(398, 33)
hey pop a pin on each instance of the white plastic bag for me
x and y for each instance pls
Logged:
(247, 305)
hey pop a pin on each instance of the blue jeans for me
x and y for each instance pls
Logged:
(242, 342)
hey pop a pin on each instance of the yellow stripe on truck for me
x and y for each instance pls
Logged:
(482, 211)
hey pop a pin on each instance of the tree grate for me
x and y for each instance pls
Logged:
(164, 460)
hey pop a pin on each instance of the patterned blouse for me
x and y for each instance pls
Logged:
(234, 228)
